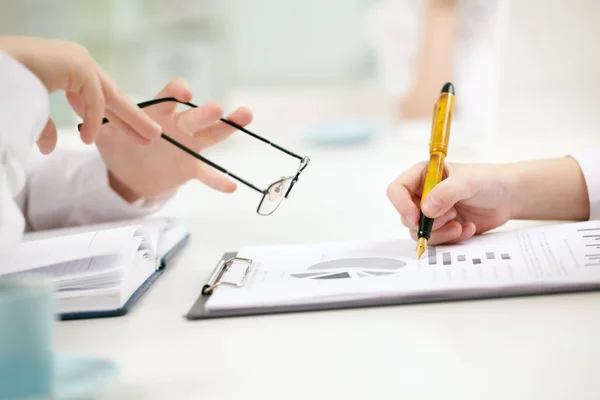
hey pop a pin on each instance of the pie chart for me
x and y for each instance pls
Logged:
(346, 268)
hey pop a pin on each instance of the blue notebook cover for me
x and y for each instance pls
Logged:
(169, 256)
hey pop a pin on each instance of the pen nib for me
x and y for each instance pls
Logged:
(421, 247)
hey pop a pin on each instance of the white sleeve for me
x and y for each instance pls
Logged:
(24, 111)
(70, 187)
(588, 161)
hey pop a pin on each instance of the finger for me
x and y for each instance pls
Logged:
(449, 232)
(221, 130)
(437, 223)
(401, 193)
(468, 230)
(441, 221)
(177, 88)
(123, 107)
(114, 119)
(198, 119)
(47, 140)
(445, 195)
(125, 128)
(93, 109)
(215, 179)
(76, 103)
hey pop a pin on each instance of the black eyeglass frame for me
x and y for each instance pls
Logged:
(304, 161)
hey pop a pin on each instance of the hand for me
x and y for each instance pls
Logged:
(68, 66)
(160, 168)
(471, 199)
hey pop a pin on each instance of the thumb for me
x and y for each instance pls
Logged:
(444, 196)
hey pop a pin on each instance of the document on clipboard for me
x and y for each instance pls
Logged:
(323, 276)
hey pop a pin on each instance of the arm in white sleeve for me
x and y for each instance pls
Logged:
(24, 111)
(589, 163)
(70, 187)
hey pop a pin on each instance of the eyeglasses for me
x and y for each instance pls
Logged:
(275, 193)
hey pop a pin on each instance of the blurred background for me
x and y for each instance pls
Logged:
(356, 59)
(341, 73)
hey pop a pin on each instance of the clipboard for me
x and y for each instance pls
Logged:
(198, 311)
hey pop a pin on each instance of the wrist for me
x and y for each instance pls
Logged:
(122, 189)
(547, 189)
(512, 182)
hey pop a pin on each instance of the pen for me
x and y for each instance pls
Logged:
(438, 150)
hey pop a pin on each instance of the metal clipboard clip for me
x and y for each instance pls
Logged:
(215, 279)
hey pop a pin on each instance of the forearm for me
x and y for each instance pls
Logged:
(550, 189)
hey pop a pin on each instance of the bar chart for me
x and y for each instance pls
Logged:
(591, 239)
(449, 258)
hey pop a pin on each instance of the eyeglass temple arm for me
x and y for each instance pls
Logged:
(241, 128)
(212, 164)
(199, 157)
(233, 124)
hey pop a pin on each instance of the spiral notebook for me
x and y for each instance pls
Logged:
(273, 279)
(99, 270)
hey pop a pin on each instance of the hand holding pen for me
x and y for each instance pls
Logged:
(438, 150)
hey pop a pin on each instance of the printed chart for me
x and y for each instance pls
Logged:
(449, 258)
(591, 239)
(366, 267)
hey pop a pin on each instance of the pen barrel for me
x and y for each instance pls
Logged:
(425, 227)
(435, 173)
(442, 120)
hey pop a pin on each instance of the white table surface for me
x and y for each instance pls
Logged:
(545, 347)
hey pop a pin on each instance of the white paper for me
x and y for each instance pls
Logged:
(543, 257)
(59, 247)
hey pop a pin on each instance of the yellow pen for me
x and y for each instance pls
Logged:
(438, 150)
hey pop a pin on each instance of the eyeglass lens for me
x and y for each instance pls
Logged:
(274, 196)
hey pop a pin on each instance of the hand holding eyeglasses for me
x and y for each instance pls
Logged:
(161, 167)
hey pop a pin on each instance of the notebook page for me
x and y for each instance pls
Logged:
(107, 298)
(532, 259)
(152, 226)
(59, 249)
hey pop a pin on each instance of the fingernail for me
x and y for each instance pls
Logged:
(431, 205)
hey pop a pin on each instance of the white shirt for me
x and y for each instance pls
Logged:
(37, 192)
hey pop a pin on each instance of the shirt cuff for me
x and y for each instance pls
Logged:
(588, 163)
